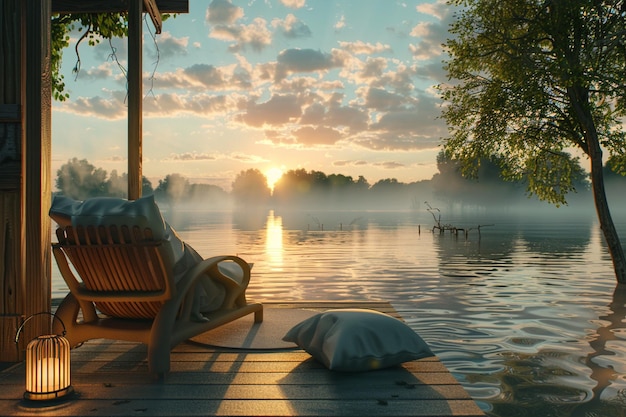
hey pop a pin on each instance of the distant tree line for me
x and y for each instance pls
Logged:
(300, 188)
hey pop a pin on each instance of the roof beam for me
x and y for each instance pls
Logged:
(111, 6)
(150, 7)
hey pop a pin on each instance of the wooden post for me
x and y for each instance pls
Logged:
(135, 92)
(36, 161)
(10, 158)
(25, 100)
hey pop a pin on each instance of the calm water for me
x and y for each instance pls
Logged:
(525, 314)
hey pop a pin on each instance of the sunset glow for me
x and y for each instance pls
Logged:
(273, 175)
(337, 87)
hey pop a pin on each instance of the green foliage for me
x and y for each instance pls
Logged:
(488, 184)
(93, 27)
(616, 165)
(79, 179)
(173, 189)
(250, 189)
(302, 189)
(533, 79)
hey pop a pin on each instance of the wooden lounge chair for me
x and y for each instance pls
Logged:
(125, 290)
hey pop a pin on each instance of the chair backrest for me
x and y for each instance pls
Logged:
(122, 268)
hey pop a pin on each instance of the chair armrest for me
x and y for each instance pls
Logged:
(210, 267)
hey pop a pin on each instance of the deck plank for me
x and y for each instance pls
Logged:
(111, 379)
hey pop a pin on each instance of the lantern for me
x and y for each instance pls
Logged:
(47, 365)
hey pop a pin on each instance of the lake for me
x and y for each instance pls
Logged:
(523, 312)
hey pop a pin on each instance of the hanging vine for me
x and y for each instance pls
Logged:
(94, 28)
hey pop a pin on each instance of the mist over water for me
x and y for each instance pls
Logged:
(525, 314)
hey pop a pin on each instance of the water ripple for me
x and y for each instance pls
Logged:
(526, 317)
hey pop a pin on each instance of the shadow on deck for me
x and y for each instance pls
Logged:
(111, 379)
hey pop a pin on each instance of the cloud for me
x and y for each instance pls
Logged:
(255, 36)
(438, 9)
(400, 121)
(389, 165)
(345, 163)
(291, 27)
(191, 156)
(103, 71)
(99, 107)
(319, 135)
(223, 12)
(381, 99)
(341, 23)
(304, 60)
(203, 78)
(279, 109)
(400, 80)
(352, 117)
(335, 116)
(168, 46)
(246, 158)
(364, 48)
(294, 4)
(168, 104)
(432, 35)
(222, 17)
(205, 75)
(373, 68)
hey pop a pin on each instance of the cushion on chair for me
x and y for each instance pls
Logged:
(145, 213)
(358, 340)
(106, 211)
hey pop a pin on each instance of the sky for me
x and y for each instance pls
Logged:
(338, 86)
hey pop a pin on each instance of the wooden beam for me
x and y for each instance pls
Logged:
(135, 103)
(110, 6)
(152, 9)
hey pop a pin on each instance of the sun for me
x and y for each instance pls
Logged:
(273, 174)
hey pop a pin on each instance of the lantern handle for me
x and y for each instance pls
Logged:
(19, 330)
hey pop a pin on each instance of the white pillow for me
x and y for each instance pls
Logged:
(358, 340)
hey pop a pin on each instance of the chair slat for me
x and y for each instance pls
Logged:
(119, 260)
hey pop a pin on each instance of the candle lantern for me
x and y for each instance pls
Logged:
(47, 365)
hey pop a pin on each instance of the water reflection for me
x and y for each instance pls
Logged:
(274, 241)
(526, 327)
(526, 317)
(609, 352)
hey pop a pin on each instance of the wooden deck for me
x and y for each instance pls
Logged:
(112, 379)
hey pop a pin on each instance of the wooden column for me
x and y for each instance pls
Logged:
(25, 127)
(10, 166)
(36, 161)
(135, 92)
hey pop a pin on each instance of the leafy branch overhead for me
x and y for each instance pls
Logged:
(92, 27)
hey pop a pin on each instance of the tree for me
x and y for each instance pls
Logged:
(293, 187)
(117, 185)
(532, 79)
(250, 189)
(172, 189)
(79, 180)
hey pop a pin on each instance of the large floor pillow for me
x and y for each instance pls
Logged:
(356, 340)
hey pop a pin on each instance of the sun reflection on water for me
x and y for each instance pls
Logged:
(274, 241)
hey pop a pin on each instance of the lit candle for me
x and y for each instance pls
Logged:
(47, 374)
